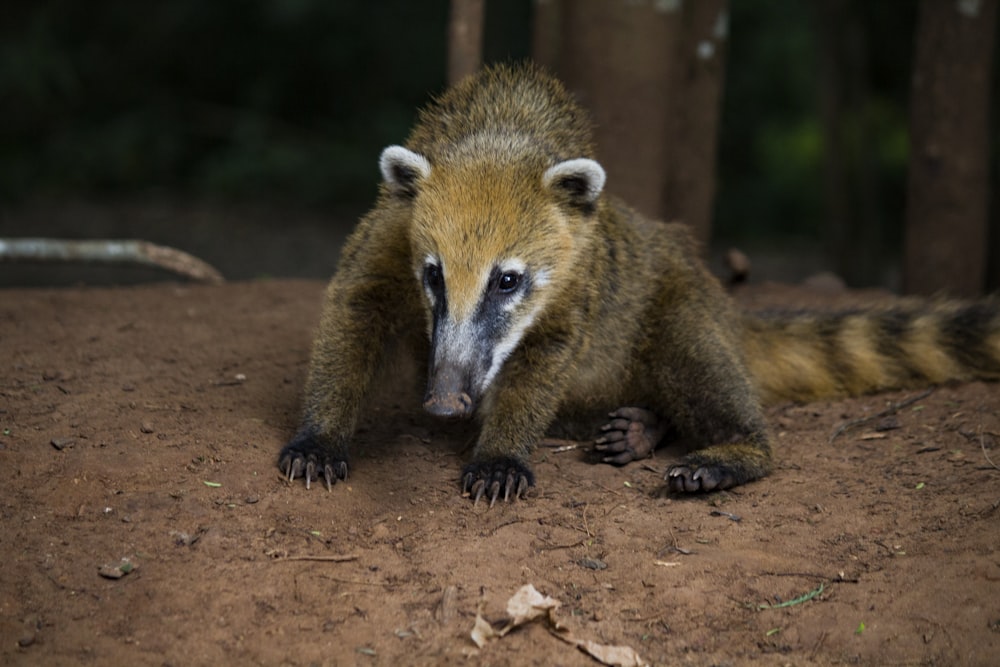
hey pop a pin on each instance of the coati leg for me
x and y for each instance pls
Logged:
(731, 425)
(632, 434)
(355, 327)
(705, 392)
(516, 412)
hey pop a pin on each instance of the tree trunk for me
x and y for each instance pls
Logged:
(695, 107)
(651, 75)
(948, 197)
(465, 38)
(851, 175)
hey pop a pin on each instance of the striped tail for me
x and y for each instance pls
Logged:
(807, 356)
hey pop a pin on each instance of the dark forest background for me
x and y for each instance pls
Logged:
(248, 132)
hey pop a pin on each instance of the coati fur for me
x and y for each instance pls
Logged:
(494, 251)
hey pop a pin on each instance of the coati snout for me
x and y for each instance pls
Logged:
(448, 393)
(468, 347)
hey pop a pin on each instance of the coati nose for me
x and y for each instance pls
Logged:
(447, 392)
(453, 405)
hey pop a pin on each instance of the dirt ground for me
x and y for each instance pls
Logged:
(139, 429)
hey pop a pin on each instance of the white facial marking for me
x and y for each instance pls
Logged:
(456, 342)
(459, 341)
(508, 344)
(513, 265)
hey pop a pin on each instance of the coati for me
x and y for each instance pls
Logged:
(495, 252)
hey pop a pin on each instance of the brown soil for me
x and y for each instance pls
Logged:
(143, 424)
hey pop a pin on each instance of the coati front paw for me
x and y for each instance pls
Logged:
(508, 476)
(304, 456)
(685, 479)
(631, 434)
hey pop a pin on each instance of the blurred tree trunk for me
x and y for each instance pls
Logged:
(993, 265)
(948, 196)
(850, 174)
(651, 75)
(465, 38)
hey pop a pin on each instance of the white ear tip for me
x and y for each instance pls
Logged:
(587, 172)
(399, 166)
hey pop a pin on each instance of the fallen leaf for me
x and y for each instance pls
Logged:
(483, 632)
(527, 605)
(619, 656)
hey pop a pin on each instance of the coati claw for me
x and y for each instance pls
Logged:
(631, 434)
(310, 472)
(506, 477)
(292, 467)
(304, 457)
(683, 479)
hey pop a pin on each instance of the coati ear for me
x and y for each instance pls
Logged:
(402, 169)
(581, 179)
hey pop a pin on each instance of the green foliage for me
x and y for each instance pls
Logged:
(774, 139)
(258, 97)
(295, 99)
(769, 122)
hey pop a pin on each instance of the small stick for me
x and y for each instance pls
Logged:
(982, 446)
(107, 251)
(323, 559)
(891, 410)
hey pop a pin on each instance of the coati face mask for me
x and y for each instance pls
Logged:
(488, 242)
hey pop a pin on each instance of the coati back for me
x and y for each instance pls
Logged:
(494, 251)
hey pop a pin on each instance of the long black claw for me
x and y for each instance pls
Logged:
(684, 479)
(477, 491)
(295, 469)
(522, 487)
(507, 478)
(309, 456)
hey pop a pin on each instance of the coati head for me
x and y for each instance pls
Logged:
(492, 240)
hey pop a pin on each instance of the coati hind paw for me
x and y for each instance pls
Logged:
(721, 466)
(685, 479)
(631, 434)
(304, 457)
(505, 477)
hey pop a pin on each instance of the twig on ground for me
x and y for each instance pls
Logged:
(982, 446)
(342, 558)
(891, 410)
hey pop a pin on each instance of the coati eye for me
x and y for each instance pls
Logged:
(432, 277)
(508, 282)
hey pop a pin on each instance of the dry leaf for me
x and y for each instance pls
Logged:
(483, 632)
(527, 604)
(619, 656)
